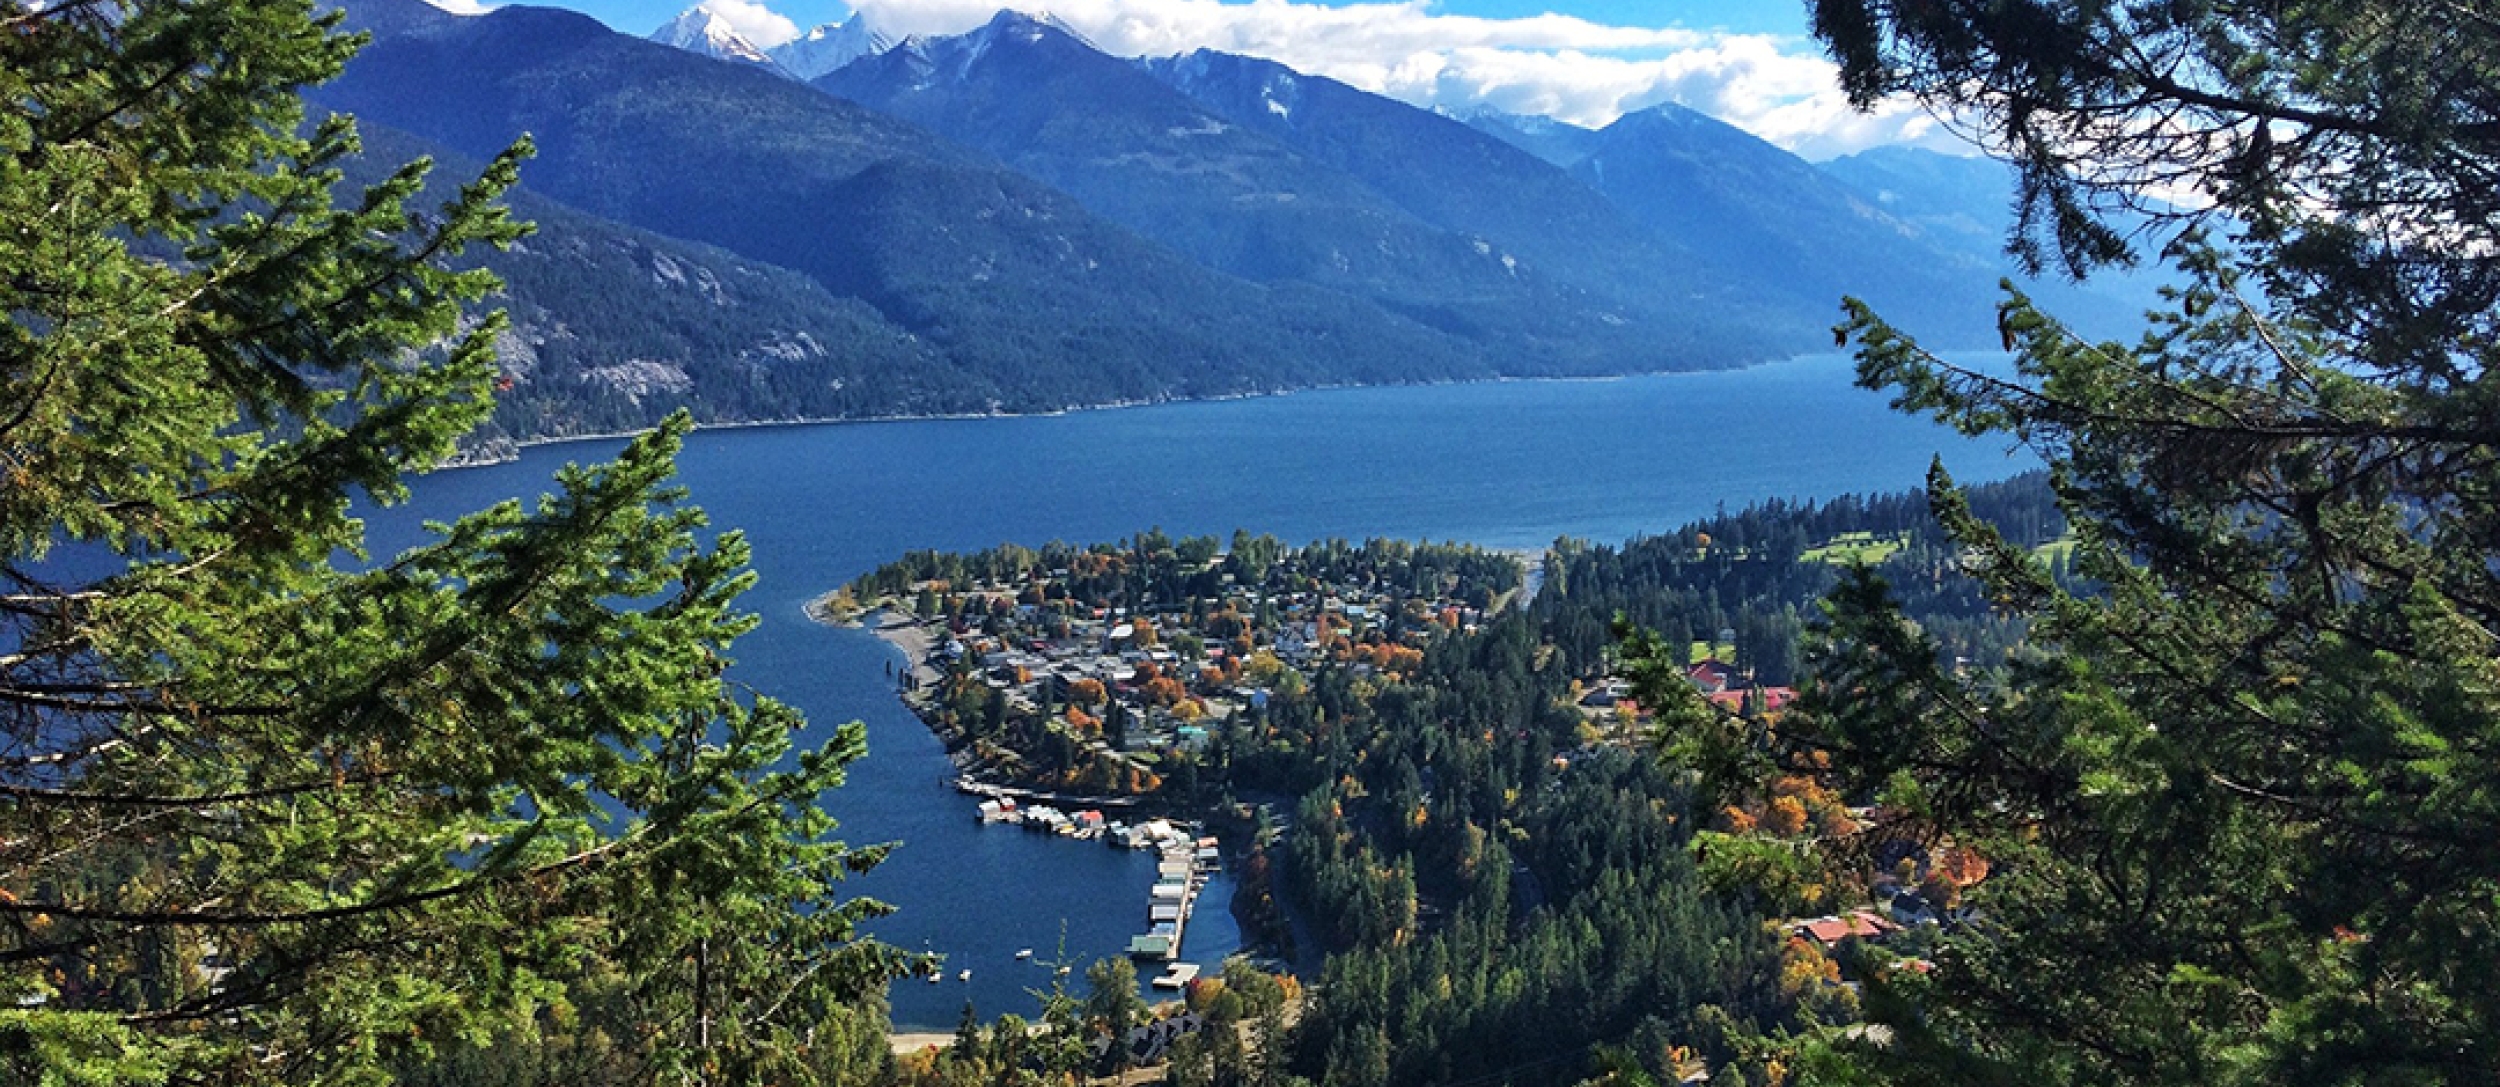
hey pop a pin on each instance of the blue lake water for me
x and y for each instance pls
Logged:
(1513, 464)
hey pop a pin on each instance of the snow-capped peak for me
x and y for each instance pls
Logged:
(829, 47)
(701, 30)
(1029, 26)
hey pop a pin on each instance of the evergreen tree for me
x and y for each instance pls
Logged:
(270, 817)
(1111, 1001)
(2239, 805)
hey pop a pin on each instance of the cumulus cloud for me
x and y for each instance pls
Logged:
(1561, 66)
(463, 7)
(753, 21)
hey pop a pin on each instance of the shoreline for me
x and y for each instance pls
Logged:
(517, 446)
(905, 632)
(913, 1041)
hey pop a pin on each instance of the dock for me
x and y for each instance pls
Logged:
(996, 791)
(1179, 876)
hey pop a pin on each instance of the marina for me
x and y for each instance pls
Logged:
(1185, 861)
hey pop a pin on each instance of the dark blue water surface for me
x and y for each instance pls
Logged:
(1507, 465)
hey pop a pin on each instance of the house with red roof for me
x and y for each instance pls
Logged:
(1713, 676)
(1858, 925)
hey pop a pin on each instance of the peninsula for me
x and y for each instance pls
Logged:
(1106, 671)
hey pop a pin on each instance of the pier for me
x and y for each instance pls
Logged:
(1180, 875)
(1038, 796)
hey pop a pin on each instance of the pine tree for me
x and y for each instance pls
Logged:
(271, 816)
(2238, 802)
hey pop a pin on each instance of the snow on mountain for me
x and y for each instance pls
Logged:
(829, 47)
(702, 31)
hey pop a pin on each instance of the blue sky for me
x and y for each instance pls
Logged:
(1585, 61)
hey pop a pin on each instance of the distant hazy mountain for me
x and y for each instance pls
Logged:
(1463, 181)
(1965, 204)
(1559, 142)
(1733, 197)
(829, 47)
(1961, 203)
(697, 30)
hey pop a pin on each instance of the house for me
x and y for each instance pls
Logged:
(1713, 676)
(1771, 699)
(1833, 931)
(1912, 908)
(1606, 694)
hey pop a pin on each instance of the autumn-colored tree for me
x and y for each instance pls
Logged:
(1803, 967)
(1965, 867)
(1165, 691)
(1263, 667)
(1087, 692)
(1786, 817)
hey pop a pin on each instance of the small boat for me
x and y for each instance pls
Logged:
(1025, 954)
(935, 977)
(965, 976)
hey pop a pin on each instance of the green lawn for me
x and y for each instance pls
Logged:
(2055, 552)
(1855, 547)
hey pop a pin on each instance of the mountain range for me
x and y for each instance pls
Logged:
(1013, 220)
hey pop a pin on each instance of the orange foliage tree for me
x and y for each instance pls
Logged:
(1785, 817)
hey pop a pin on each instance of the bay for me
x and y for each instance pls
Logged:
(1508, 464)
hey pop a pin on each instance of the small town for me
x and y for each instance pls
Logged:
(1105, 673)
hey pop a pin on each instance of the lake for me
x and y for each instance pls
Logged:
(1508, 464)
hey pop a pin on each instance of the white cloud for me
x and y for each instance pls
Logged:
(1781, 89)
(753, 21)
(463, 7)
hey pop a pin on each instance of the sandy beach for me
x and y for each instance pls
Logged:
(916, 1041)
(910, 636)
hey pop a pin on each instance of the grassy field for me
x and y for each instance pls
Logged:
(2056, 552)
(1854, 547)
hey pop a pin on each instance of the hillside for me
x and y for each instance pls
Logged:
(1037, 303)
(611, 325)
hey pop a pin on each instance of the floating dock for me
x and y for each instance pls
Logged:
(1179, 876)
